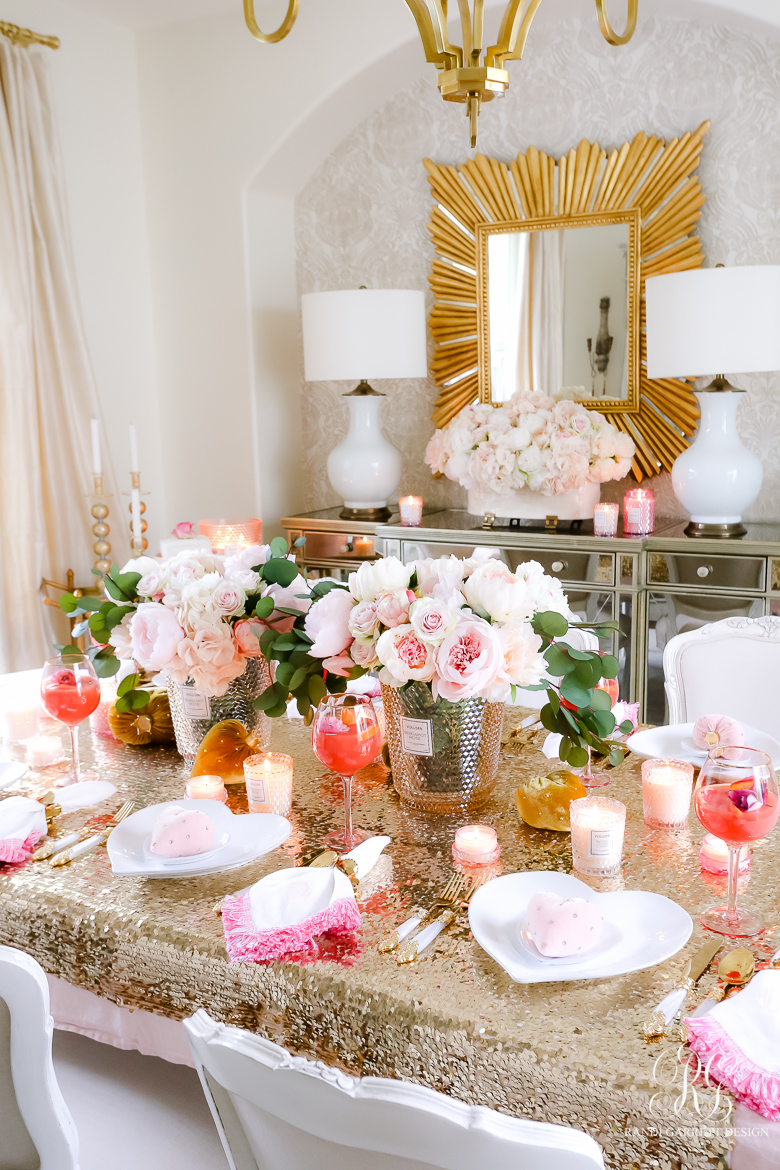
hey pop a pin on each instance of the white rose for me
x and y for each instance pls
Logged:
(375, 577)
(363, 622)
(432, 620)
(451, 566)
(197, 605)
(245, 579)
(229, 598)
(151, 583)
(546, 592)
(255, 554)
(404, 657)
(524, 663)
(143, 565)
(494, 588)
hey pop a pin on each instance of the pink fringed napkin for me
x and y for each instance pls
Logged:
(22, 824)
(283, 912)
(738, 1043)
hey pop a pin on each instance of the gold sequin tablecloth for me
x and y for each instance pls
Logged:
(570, 1053)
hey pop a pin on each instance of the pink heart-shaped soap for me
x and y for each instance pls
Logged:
(181, 832)
(563, 926)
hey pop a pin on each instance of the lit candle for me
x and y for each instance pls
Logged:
(269, 780)
(134, 468)
(605, 519)
(363, 546)
(410, 508)
(96, 466)
(714, 855)
(666, 793)
(476, 845)
(597, 827)
(43, 751)
(21, 722)
(638, 512)
(98, 720)
(206, 788)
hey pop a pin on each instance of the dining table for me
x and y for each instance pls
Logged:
(571, 1053)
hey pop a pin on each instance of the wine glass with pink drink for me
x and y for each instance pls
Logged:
(70, 692)
(736, 798)
(345, 737)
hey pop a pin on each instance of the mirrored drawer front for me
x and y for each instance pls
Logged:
(568, 565)
(715, 572)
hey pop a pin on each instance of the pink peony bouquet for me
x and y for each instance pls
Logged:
(196, 617)
(530, 441)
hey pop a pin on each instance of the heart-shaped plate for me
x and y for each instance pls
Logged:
(640, 929)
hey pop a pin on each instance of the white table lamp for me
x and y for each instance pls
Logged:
(715, 319)
(352, 336)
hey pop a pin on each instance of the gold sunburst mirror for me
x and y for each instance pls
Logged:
(539, 274)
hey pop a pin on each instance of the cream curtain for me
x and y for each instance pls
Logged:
(47, 394)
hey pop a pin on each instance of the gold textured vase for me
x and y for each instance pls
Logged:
(444, 756)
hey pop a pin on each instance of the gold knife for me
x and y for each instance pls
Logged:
(662, 1015)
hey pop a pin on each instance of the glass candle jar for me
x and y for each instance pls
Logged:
(597, 827)
(605, 519)
(714, 856)
(666, 793)
(206, 788)
(476, 845)
(269, 780)
(411, 508)
(638, 512)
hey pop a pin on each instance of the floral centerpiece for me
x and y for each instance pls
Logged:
(447, 637)
(193, 621)
(529, 443)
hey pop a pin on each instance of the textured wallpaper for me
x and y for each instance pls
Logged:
(362, 217)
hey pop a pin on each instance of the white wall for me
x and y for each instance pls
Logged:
(96, 98)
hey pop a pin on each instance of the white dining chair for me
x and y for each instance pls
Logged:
(730, 667)
(274, 1110)
(36, 1130)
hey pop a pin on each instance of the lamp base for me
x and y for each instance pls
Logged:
(367, 515)
(715, 531)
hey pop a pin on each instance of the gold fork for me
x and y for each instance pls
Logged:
(414, 948)
(420, 913)
(67, 855)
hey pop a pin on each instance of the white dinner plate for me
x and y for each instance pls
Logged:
(640, 929)
(10, 772)
(248, 836)
(675, 742)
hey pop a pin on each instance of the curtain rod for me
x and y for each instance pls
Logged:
(25, 36)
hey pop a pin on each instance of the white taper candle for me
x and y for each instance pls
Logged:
(96, 468)
(133, 450)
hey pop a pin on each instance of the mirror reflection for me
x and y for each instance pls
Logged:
(558, 312)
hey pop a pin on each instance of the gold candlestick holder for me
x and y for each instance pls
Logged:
(138, 546)
(100, 529)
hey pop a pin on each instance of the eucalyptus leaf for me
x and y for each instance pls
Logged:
(300, 542)
(105, 667)
(279, 571)
(277, 711)
(298, 677)
(336, 684)
(610, 667)
(558, 661)
(553, 624)
(626, 727)
(266, 700)
(555, 700)
(574, 693)
(139, 700)
(600, 701)
(129, 683)
(264, 607)
(317, 688)
(278, 547)
(578, 756)
(284, 673)
(616, 756)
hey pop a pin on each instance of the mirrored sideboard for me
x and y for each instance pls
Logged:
(654, 587)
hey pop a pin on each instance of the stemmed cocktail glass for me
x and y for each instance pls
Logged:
(345, 738)
(70, 692)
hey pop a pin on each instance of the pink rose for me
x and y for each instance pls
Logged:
(183, 530)
(404, 656)
(468, 661)
(212, 658)
(229, 598)
(363, 621)
(364, 654)
(155, 635)
(432, 620)
(392, 609)
(327, 623)
(247, 637)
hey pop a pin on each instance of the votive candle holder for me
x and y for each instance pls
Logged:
(233, 534)
(269, 778)
(598, 825)
(43, 751)
(410, 508)
(714, 856)
(666, 793)
(638, 512)
(206, 788)
(476, 845)
(605, 519)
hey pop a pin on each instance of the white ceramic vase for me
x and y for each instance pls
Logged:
(717, 478)
(364, 469)
(529, 505)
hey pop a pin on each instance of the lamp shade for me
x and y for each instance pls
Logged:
(364, 333)
(713, 321)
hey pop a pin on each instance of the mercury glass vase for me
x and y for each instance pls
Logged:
(194, 713)
(444, 756)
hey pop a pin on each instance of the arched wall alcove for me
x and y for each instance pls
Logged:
(354, 159)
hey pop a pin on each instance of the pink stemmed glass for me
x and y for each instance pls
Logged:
(345, 737)
(70, 692)
(736, 798)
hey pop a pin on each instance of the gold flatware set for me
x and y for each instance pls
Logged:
(75, 845)
(444, 910)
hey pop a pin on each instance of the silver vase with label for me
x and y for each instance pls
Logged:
(444, 756)
(194, 713)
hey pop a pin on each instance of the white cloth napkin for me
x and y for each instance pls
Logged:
(22, 824)
(84, 794)
(284, 911)
(738, 1042)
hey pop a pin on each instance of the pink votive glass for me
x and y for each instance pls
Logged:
(269, 779)
(206, 788)
(638, 512)
(231, 535)
(714, 856)
(476, 845)
(410, 508)
(666, 793)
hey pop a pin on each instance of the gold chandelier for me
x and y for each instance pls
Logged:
(462, 76)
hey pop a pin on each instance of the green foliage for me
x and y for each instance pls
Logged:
(129, 696)
(121, 586)
(264, 607)
(279, 571)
